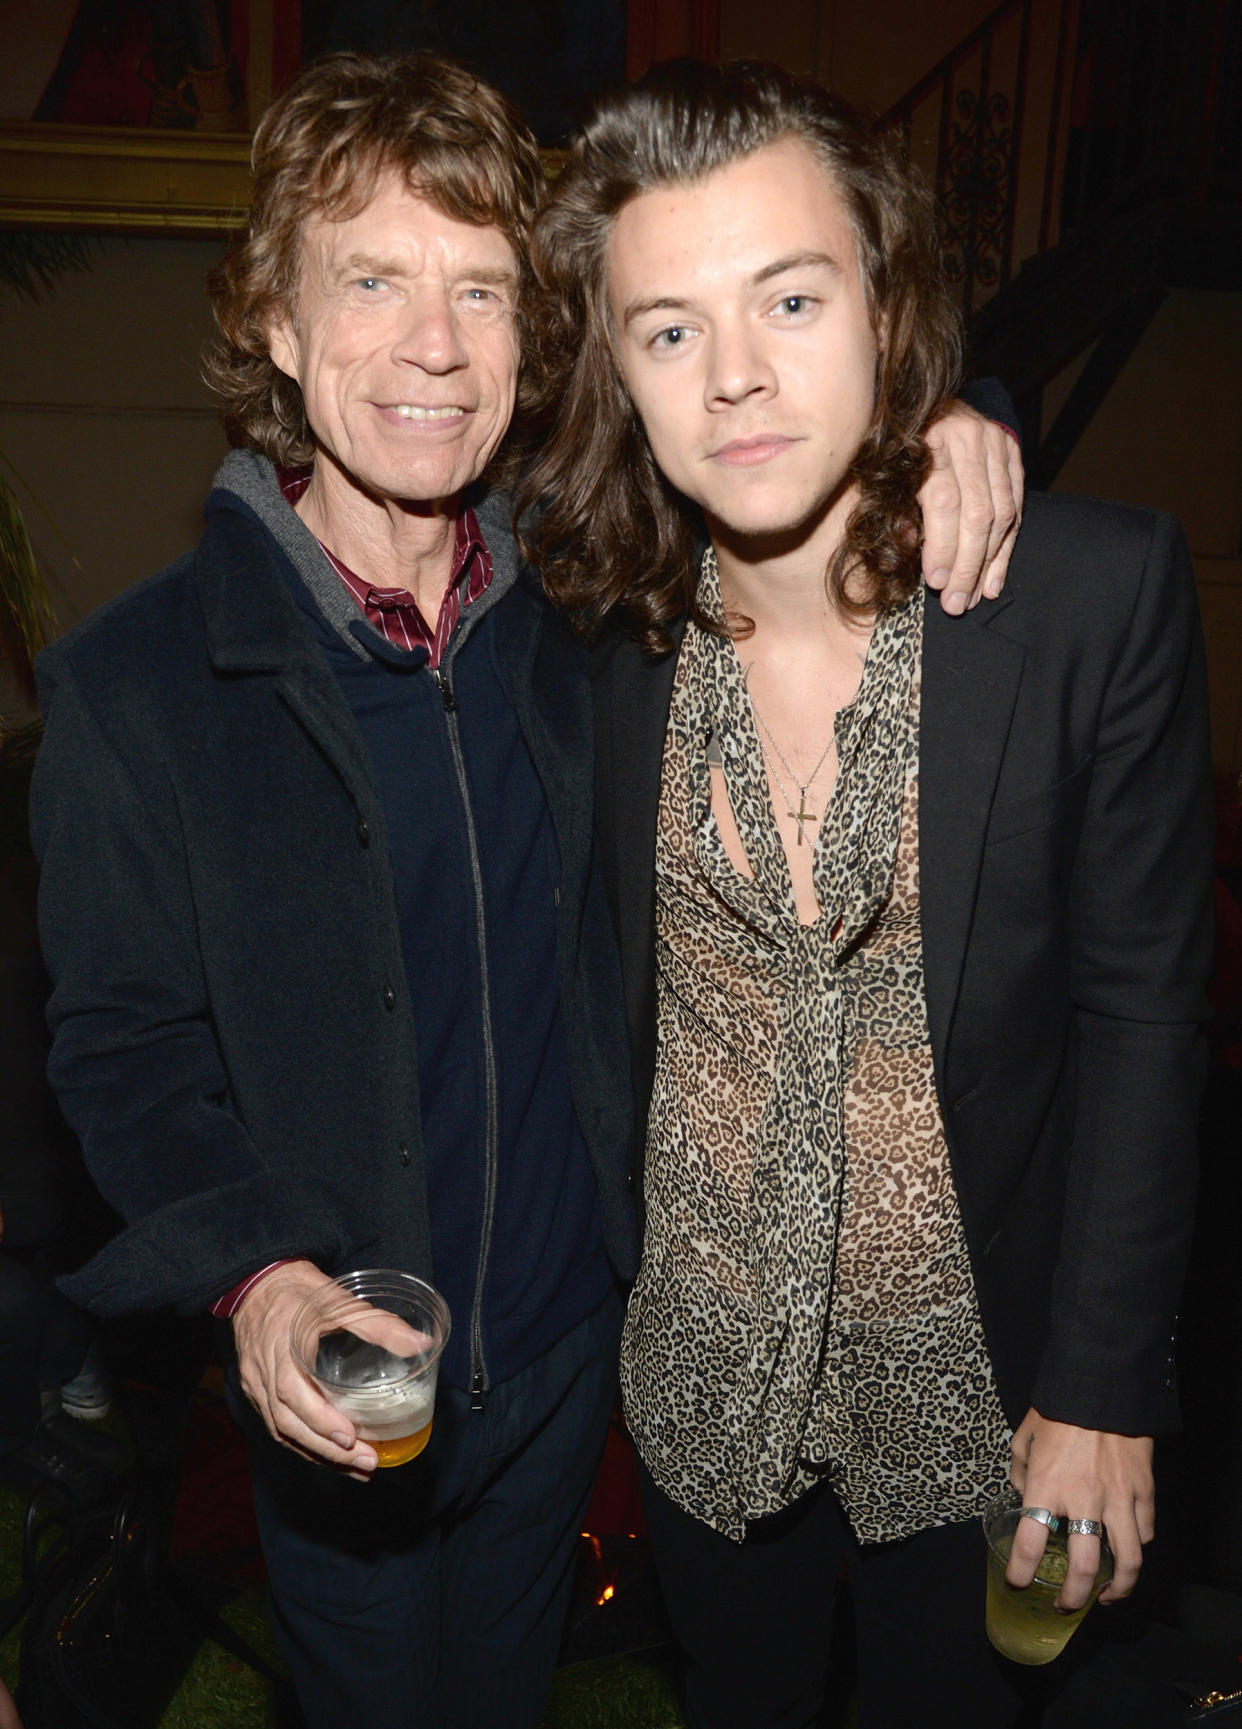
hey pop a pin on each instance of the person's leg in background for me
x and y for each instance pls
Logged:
(40, 1332)
(21, 1342)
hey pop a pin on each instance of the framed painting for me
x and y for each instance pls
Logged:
(134, 116)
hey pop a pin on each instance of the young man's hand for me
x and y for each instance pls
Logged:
(972, 507)
(1082, 1474)
(290, 1404)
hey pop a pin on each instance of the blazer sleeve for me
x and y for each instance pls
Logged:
(135, 1060)
(1140, 953)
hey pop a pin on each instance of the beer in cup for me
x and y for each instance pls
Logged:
(371, 1342)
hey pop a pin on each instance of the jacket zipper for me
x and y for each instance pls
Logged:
(479, 1382)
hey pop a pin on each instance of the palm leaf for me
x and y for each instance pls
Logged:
(31, 262)
(27, 616)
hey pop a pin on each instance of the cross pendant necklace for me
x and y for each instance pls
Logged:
(802, 815)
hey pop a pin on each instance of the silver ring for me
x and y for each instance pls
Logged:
(1084, 1528)
(1041, 1516)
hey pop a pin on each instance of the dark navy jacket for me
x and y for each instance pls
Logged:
(233, 1035)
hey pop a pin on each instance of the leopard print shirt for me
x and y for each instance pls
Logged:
(805, 1306)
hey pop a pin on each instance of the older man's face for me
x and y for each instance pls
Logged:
(405, 345)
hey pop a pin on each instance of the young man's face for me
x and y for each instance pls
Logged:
(743, 336)
(405, 344)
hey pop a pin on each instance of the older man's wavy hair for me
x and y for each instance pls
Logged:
(609, 533)
(319, 150)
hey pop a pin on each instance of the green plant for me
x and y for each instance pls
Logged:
(32, 262)
(27, 616)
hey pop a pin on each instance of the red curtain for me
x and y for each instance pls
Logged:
(663, 29)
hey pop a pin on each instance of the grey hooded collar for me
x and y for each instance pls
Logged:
(252, 478)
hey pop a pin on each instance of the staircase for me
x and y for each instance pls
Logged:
(1087, 155)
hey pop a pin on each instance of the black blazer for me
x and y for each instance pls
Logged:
(1065, 866)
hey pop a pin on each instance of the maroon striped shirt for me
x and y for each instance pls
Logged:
(393, 611)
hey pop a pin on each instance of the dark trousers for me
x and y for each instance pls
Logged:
(753, 1620)
(434, 1596)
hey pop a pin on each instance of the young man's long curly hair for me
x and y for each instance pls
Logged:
(319, 150)
(609, 534)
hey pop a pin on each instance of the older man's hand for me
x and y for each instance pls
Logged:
(972, 507)
(290, 1404)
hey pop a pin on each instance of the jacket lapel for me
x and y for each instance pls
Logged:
(971, 675)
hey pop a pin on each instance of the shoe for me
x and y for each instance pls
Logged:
(62, 1455)
(88, 1397)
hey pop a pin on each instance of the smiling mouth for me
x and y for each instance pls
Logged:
(414, 411)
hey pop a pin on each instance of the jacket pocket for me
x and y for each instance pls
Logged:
(1055, 804)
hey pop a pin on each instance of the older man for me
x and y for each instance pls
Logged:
(335, 979)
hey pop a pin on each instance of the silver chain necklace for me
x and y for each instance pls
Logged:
(802, 815)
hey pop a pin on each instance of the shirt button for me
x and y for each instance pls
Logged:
(403, 1153)
(390, 998)
(363, 831)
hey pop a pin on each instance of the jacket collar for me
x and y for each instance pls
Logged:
(252, 622)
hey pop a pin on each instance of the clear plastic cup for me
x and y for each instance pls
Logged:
(1022, 1624)
(371, 1341)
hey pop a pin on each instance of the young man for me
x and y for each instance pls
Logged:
(913, 915)
(334, 978)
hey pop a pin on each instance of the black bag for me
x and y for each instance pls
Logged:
(104, 1645)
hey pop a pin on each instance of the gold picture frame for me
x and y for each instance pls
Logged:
(138, 180)
(141, 181)
(118, 180)
(113, 180)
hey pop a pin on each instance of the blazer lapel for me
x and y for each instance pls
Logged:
(971, 675)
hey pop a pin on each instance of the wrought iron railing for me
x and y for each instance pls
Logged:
(1114, 96)
(973, 103)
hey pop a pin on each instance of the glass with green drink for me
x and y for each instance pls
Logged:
(1022, 1623)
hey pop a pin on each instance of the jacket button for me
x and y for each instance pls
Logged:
(363, 831)
(403, 1153)
(390, 998)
